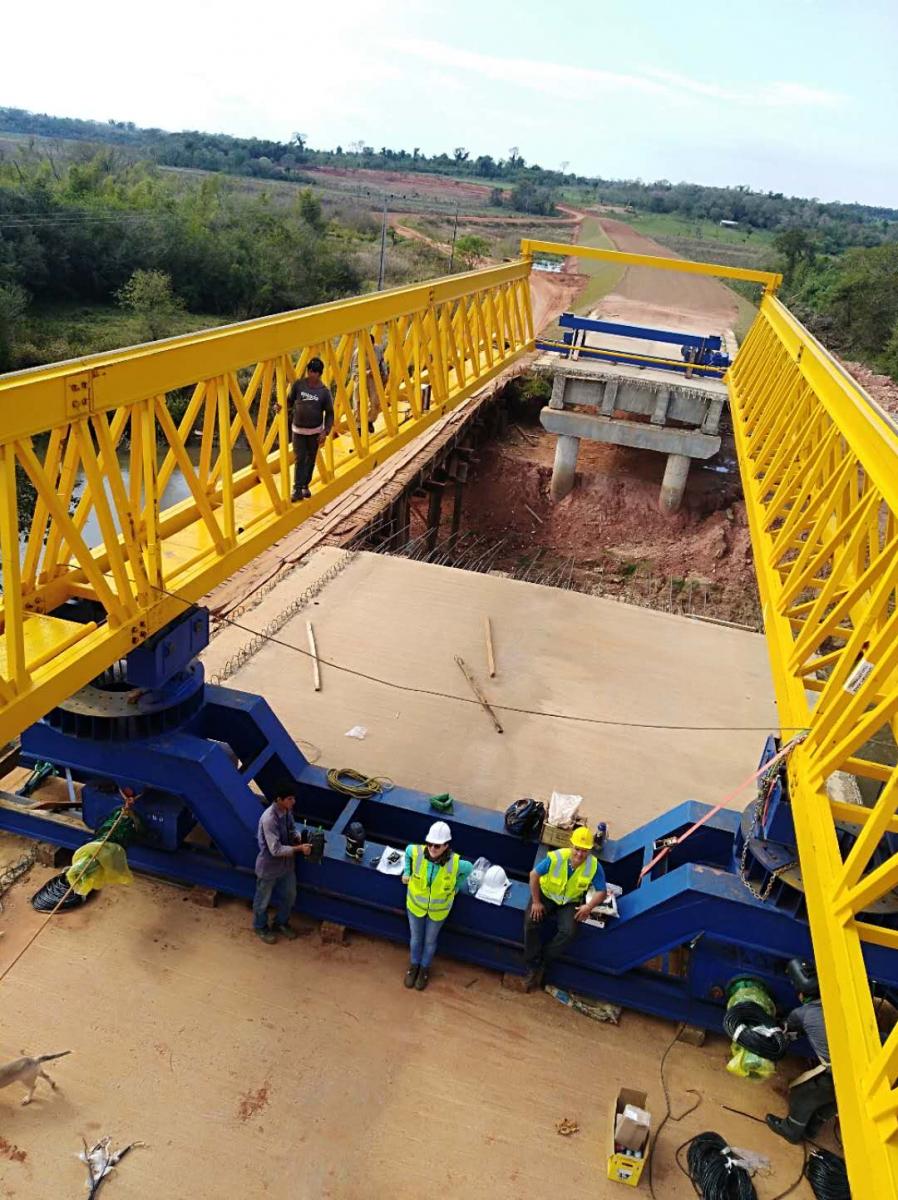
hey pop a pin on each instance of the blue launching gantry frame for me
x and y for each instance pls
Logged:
(206, 759)
(701, 355)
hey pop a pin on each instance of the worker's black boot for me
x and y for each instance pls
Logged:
(421, 981)
(534, 979)
(411, 977)
(786, 1128)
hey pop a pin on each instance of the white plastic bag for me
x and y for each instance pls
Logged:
(475, 879)
(563, 808)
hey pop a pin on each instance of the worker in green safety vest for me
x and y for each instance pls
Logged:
(558, 887)
(433, 874)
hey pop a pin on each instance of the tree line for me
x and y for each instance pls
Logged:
(81, 231)
(534, 188)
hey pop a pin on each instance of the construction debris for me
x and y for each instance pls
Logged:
(101, 1160)
(490, 655)
(313, 649)
(475, 688)
(596, 1010)
(565, 1127)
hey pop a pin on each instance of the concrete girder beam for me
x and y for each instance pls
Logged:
(689, 442)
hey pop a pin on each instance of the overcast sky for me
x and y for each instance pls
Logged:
(798, 96)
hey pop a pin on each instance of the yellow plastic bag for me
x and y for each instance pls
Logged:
(109, 865)
(750, 1066)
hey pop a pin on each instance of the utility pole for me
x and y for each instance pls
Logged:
(383, 248)
(454, 232)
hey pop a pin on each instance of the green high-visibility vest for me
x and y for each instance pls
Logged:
(432, 900)
(562, 887)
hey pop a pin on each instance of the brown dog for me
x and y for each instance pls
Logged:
(27, 1071)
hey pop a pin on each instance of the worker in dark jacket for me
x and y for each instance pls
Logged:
(812, 1096)
(279, 844)
(312, 417)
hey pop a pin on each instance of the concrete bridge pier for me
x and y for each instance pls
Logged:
(563, 472)
(673, 485)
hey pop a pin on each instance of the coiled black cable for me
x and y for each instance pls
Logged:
(827, 1176)
(740, 1024)
(713, 1173)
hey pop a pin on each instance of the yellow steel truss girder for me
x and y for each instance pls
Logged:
(820, 476)
(47, 397)
(770, 279)
(443, 342)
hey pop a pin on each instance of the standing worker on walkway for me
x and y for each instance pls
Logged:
(433, 875)
(558, 887)
(812, 1096)
(370, 386)
(312, 418)
(275, 871)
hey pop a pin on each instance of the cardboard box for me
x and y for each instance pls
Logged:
(556, 837)
(630, 1121)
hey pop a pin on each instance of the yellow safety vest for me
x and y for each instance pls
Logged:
(431, 900)
(560, 886)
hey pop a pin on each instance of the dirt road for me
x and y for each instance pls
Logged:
(671, 300)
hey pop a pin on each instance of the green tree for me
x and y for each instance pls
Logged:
(796, 246)
(890, 357)
(470, 248)
(310, 210)
(497, 198)
(863, 301)
(149, 295)
(13, 306)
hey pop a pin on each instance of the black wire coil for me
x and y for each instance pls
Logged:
(713, 1172)
(827, 1176)
(750, 1015)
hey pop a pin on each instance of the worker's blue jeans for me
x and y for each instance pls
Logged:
(423, 941)
(281, 890)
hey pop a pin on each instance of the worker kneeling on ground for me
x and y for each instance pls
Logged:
(558, 887)
(433, 874)
(812, 1096)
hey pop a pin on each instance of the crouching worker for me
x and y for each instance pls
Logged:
(558, 887)
(812, 1096)
(433, 874)
(275, 870)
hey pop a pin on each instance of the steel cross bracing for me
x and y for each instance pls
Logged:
(103, 423)
(819, 465)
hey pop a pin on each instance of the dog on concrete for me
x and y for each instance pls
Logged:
(27, 1071)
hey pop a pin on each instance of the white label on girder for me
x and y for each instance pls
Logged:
(858, 677)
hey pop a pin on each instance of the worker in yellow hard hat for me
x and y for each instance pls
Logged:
(558, 887)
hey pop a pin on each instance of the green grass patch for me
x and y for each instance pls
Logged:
(661, 225)
(55, 332)
(603, 277)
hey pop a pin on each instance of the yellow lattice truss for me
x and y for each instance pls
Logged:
(97, 441)
(819, 467)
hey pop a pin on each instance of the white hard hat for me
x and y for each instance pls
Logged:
(494, 886)
(439, 834)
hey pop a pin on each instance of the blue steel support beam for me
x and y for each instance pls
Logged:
(709, 342)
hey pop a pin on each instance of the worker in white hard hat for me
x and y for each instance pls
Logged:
(558, 886)
(433, 874)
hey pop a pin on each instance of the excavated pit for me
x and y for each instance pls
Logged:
(608, 536)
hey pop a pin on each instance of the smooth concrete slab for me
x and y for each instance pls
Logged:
(556, 651)
(639, 434)
(186, 1031)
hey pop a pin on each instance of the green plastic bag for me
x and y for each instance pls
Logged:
(109, 865)
(744, 1063)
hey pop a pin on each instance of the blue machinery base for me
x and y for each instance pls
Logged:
(688, 929)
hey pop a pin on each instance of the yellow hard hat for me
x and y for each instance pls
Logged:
(582, 838)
